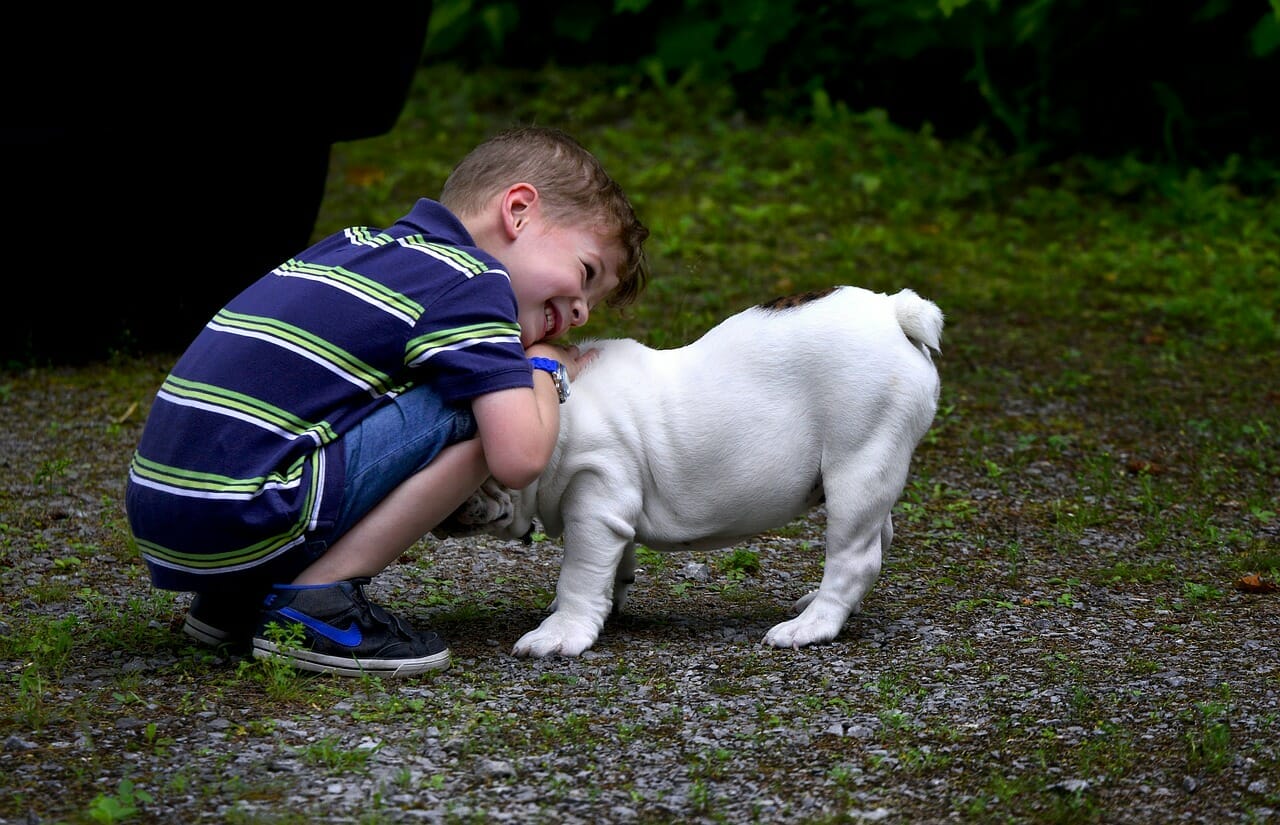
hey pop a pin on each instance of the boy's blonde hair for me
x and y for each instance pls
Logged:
(573, 186)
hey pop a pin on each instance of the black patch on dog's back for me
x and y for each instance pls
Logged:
(793, 301)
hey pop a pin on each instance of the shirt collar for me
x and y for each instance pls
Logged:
(431, 218)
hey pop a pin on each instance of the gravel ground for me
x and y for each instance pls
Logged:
(993, 675)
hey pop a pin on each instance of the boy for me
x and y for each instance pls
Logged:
(341, 406)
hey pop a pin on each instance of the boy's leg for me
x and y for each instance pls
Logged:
(218, 618)
(406, 515)
(420, 503)
(402, 480)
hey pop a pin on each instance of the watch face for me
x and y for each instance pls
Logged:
(562, 383)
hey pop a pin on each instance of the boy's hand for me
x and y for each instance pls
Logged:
(572, 358)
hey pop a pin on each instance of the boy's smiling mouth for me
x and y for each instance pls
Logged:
(549, 328)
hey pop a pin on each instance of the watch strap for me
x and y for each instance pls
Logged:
(545, 364)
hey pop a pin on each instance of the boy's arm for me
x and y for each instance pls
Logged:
(518, 427)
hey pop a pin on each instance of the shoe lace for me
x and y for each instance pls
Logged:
(382, 616)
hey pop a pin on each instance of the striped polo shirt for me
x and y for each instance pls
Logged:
(240, 455)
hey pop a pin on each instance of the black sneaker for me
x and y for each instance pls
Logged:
(345, 633)
(217, 619)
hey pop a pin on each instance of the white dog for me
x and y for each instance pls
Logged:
(823, 395)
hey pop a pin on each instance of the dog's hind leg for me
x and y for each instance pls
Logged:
(886, 539)
(624, 578)
(859, 530)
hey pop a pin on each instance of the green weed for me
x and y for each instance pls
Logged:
(329, 753)
(120, 806)
(650, 559)
(738, 565)
(1208, 737)
(279, 678)
(1196, 593)
(31, 705)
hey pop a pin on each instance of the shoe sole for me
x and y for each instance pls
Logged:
(321, 663)
(205, 633)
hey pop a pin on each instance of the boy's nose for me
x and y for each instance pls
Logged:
(580, 313)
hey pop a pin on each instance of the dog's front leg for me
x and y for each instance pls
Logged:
(593, 550)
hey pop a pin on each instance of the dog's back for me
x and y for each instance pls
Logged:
(820, 312)
(919, 318)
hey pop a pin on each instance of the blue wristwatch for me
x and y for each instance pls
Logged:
(559, 374)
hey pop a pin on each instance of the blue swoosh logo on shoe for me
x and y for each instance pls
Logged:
(351, 637)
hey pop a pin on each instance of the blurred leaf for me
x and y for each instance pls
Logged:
(1265, 37)
(1253, 583)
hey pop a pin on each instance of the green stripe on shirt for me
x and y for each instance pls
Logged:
(374, 292)
(323, 351)
(239, 556)
(451, 255)
(422, 347)
(267, 415)
(212, 484)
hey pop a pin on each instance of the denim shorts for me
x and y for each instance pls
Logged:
(388, 447)
(380, 452)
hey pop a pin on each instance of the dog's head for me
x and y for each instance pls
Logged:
(495, 510)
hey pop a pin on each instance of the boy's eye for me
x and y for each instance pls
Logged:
(591, 272)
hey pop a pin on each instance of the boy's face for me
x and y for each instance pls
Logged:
(559, 274)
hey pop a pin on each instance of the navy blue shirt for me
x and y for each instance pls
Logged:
(239, 459)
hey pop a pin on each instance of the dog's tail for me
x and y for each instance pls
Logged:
(920, 319)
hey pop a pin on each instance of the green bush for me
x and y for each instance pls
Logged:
(1188, 83)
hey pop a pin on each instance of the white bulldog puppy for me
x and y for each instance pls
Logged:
(818, 396)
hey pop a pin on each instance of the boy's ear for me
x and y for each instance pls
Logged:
(519, 204)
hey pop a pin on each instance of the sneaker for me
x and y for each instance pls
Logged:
(345, 633)
(217, 619)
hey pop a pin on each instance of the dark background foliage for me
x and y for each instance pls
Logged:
(1185, 82)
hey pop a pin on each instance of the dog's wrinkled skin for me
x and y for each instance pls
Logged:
(820, 396)
(489, 510)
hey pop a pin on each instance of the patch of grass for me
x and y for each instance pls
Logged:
(1208, 737)
(795, 529)
(1128, 572)
(280, 679)
(649, 559)
(329, 753)
(1142, 666)
(1195, 593)
(738, 564)
(121, 806)
(1261, 557)
(30, 705)
(44, 648)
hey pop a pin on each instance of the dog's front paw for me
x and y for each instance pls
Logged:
(820, 622)
(557, 636)
(797, 634)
